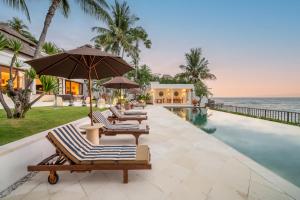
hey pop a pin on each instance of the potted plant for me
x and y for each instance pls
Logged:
(127, 105)
(195, 102)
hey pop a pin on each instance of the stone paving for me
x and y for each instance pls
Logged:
(187, 164)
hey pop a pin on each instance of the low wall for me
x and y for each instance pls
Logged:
(16, 156)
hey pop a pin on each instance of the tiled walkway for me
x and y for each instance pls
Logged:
(187, 164)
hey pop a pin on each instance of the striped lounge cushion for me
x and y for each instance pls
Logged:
(100, 118)
(71, 139)
(115, 111)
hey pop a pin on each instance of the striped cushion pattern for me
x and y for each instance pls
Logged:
(83, 150)
(115, 111)
(100, 118)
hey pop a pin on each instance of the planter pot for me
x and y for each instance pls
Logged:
(194, 102)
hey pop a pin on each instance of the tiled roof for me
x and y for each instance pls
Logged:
(28, 46)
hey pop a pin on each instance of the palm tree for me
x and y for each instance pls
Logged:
(50, 83)
(50, 48)
(138, 35)
(196, 68)
(19, 26)
(19, 5)
(3, 42)
(15, 46)
(201, 90)
(119, 32)
(3, 45)
(98, 89)
(92, 7)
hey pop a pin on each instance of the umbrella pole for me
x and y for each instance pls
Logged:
(90, 93)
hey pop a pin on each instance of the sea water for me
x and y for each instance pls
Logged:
(282, 103)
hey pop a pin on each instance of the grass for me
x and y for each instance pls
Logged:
(37, 119)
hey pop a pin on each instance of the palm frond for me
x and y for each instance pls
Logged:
(3, 42)
(64, 7)
(96, 8)
(14, 45)
(19, 5)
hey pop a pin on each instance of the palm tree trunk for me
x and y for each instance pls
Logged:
(9, 114)
(136, 60)
(13, 60)
(8, 111)
(47, 22)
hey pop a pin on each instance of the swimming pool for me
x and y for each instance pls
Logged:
(273, 145)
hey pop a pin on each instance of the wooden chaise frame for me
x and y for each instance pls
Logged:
(135, 133)
(113, 132)
(57, 162)
(138, 118)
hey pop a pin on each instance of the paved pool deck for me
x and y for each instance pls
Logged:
(187, 164)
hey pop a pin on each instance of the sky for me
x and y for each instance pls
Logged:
(253, 46)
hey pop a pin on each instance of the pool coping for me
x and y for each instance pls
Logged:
(277, 181)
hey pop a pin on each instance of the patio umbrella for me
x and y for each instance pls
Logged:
(120, 82)
(81, 63)
(135, 91)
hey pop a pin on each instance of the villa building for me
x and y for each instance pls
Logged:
(75, 87)
(171, 93)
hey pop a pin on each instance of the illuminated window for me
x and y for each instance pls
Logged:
(18, 82)
(73, 88)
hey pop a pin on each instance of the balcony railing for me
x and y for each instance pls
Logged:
(273, 115)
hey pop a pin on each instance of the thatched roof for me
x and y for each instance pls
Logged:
(28, 46)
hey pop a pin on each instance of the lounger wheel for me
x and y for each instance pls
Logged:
(53, 178)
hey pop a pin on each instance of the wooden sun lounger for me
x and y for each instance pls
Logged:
(75, 154)
(119, 129)
(134, 112)
(120, 117)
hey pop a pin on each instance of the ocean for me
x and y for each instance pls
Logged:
(282, 103)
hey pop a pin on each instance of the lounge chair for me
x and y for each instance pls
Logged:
(119, 129)
(138, 104)
(116, 115)
(134, 112)
(76, 154)
(131, 111)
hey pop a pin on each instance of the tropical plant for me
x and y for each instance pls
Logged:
(201, 91)
(138, 35)
(15, 46)
(144, 75)
(21, 97)
(19, 5)
(3, 42)
(196, 68)
(3, 45)
(50, 48)
(17, 24)
(98, 89)
(144, 97)
(119, 34)
(91, 7)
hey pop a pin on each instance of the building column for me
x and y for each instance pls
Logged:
(153, 96)
(33, 87)
(172, 95)
(190, 96)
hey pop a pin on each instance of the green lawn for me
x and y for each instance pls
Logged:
(37, 120)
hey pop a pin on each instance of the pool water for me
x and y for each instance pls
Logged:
(273, 145)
